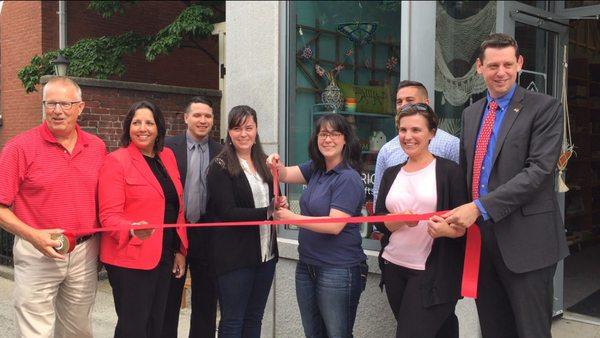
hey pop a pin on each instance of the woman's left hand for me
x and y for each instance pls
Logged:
(283, 214)
(179, 265)
(438, 227)
(282, 203)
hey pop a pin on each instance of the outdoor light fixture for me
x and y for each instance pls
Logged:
(60, 65)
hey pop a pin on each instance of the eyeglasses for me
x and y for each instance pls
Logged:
(65, 105)
(334, 135)
(415, 106)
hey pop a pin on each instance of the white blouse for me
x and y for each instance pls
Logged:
(260, 194)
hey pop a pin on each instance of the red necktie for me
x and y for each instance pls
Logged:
(473, 249)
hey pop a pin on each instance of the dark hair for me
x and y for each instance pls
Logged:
(409, 83)
(159, 119)
(498, 40)
(198, 99)
(422, 109)
(351, 151)
(237, 116)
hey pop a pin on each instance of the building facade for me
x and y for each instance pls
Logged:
(434, 42)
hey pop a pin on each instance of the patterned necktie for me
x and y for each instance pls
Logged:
(473, 246)
(192, 186)
(482, 145)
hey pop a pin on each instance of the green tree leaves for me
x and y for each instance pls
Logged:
(102, 57)
(98, 58)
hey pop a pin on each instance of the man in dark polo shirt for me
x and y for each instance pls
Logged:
(48, 184)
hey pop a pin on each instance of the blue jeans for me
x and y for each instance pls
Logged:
(328, 298)
(243, 296)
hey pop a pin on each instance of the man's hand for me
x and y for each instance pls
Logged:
(179, 265)
(43, 242)
(438, 227)
(463, 216)
(142, 234)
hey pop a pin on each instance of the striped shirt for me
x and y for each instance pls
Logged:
(48, 187)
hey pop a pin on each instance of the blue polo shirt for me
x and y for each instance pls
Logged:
(340, 188)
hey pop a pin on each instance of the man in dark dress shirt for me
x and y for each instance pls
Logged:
(193, 150)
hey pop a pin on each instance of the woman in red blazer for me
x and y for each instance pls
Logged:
(139, 184)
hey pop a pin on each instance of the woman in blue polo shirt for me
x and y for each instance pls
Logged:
(331, 273)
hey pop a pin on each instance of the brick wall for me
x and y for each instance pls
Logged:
(28, 28)
(107, 103)
(187, 67)
(21, 39)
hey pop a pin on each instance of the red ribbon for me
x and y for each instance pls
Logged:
(325, 219)
(471, 263)
(275, 174)
(470, 276)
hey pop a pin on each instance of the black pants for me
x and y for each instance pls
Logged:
(403, 290)
(171, 322)
(512, 304)
(140, 299)
(204, 302)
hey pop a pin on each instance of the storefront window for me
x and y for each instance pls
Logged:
(577, 3)
(344, 58)
(460, 28)
(545, 5)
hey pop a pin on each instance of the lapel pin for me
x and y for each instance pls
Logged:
(516, 110)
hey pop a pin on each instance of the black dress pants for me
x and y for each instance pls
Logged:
(512, 304)
(204, 302)
(171, 322)
(140, 299)
(403, 290)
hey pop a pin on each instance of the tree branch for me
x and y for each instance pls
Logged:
(209, 54)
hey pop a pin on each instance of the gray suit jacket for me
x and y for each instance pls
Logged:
(521, 203)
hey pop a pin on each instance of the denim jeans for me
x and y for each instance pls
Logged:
(243, 296)
(328, 298)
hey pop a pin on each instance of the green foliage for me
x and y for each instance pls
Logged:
(40, 65)
(109, 8)
(193, 23)
(99, 58)
(102, 57)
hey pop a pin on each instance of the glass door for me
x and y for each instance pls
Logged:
(541, 40)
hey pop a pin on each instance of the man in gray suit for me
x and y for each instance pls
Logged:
(193, 150)
(509, 147)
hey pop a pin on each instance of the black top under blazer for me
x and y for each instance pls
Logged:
(230, 199)
(444, 266)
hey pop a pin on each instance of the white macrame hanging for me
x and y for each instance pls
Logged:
(460, 39)
(567, 144)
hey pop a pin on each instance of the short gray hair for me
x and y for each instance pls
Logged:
(64, 80)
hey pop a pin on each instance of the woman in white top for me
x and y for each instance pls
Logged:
(421, 262)
(240, 188)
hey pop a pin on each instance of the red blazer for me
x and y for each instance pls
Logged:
(129, 192)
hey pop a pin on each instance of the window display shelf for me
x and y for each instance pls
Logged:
(355, 113)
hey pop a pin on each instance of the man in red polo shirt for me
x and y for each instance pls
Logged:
(48, 185)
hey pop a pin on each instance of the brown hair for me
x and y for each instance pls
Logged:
(409, 83)
(237, 116)
(422, 109)
(498, 40)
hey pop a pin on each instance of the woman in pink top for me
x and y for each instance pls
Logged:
(421, 262)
